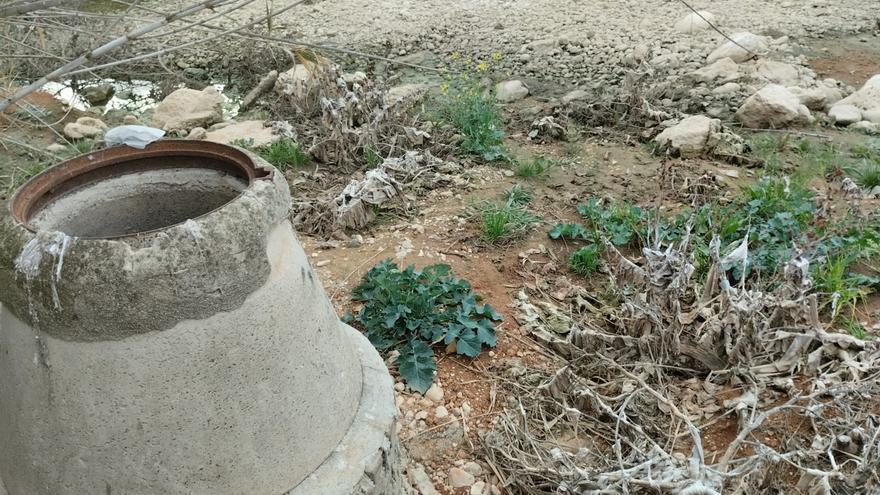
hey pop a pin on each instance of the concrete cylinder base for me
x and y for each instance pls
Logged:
(368, 460)
(162, 331)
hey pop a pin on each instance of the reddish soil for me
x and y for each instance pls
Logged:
(851, 60)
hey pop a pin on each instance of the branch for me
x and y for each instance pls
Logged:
(69, 67)
(19, 8)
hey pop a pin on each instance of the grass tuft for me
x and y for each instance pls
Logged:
(585, 260)
(839, 290)
(867, 174)
(517, 195)
(532, 168)
(284, 154)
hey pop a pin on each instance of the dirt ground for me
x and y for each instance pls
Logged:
(833, 38)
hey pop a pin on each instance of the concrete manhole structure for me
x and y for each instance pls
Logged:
(161, 331)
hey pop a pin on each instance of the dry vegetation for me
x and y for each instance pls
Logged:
(716, 341)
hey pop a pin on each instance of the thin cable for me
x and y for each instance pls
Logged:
(713, 26)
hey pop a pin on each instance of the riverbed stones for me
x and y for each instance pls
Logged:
(459, 478)
(689, 137)
(722, 70)
(778, 72)
(197, 133)
(250, 131)
(743, 46)
(509, 91)
(697, 135)
(420, 480)
(187, 108)
(98, 94)
(85, 128)
(819, 98)
(845, 114)
(866, 99)
(695, 22)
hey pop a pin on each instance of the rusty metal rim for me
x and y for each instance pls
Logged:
(111, 162)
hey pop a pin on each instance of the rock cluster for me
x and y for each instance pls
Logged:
(440, 463)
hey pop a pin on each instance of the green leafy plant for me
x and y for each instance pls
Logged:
(816, 159)
(569, 231)
(768, 150)
(82, 146)
(411, 310)
(621, 222)
(869, 150)
(284, 154)
(505, 222)
(472, 111)
(585, 260)
(773, 213)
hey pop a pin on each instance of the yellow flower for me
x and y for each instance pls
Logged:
(482, 67)
(444, 87)
(496, 56)
(468, 61)
(455, 56)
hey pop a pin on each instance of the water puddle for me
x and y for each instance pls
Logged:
(135, 96)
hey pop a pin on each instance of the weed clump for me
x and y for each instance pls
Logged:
(506, 222)
(472, 111)
(585, 260)
(517, 195)
(867, 174)
(840, 291)
(535, 167)
(411, 310)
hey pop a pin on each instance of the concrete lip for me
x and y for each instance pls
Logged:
(164, 332)
(220, 172)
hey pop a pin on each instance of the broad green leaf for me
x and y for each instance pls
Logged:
(486, 334)
(452, 333)
(416, 365)
(468, 344)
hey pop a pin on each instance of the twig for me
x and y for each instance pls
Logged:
(68, 68)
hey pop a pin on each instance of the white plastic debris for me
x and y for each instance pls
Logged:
(136, 136)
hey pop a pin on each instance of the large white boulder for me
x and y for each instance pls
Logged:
(772, 106)
(689, 137)
(251, 131)
(299, 81)
(85, 127)
(508, 91)
(819, 98)
(187, 108)
(866, 99)
(724, 70)
(872, 115)
(778, 72)
(695, 22)
(845, 114)
(698, 134)
(738, 49)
